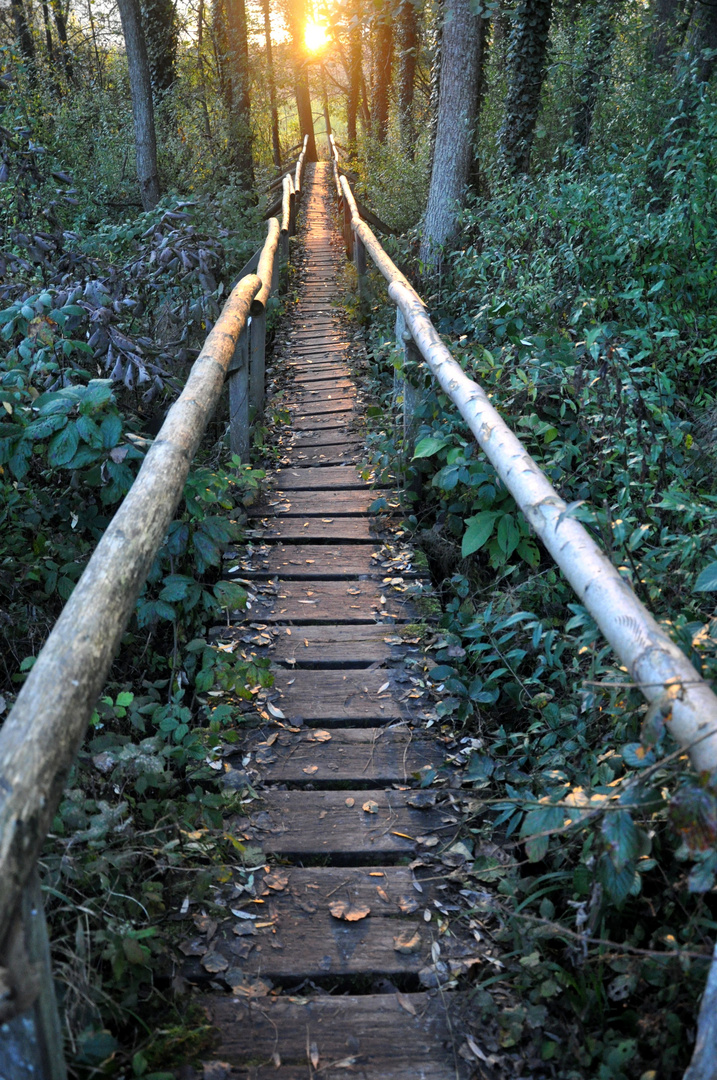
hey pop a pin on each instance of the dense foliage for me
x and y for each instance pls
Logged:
(582, 299)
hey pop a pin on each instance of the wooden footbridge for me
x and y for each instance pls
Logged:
(340, 955)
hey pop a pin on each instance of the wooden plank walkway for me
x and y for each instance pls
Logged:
(332, 954)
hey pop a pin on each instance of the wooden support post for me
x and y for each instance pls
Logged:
(410, 394)
(31, 1042)
(257, 358)
(292, 218)
(360, 264)
(238, 375)
(348, 231)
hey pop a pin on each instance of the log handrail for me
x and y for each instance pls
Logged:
(43, 733)
(658, 667)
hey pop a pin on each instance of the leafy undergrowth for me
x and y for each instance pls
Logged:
(584, 303)
(97, 332)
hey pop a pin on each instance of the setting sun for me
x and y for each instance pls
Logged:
(315, 36)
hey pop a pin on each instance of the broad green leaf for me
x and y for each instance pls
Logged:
(536, 826)
(230, 594)
(479, 531)
(621, 838)
(63, 446)
(111, 428)
(707, 581)
(429, 446)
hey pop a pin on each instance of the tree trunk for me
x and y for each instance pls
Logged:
(461, 54)
(665, 18)
(140, 85)
(48, 33)
(24, 36)
(221, 48)
(354, 78)
(240, 117)
(407, 27)
(297, 22)
(702, 34)
(202, 74)
(161, 30)
(61, 25)
(598, 54)
(275, 143)
(527, 52)
(383, 57)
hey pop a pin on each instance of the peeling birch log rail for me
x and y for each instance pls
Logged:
(658, 667)
(44, 731)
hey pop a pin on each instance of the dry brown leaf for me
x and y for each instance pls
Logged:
(350, 802)
(383, 894)
(427, 841)
(370, 807)
(321, 736)
(344, 909)
(214, 962)
(272, 738)
(276, 880)
(407, 904)
(314, 1055)
(405, 1003)
(311, 769)
(276, 713)
(276, 1060)
(196, 947)
(408, 941)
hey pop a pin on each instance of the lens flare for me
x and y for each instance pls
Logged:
(315, 36)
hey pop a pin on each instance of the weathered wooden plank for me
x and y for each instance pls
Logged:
(333, 825)
(387, 1041)
(307, 530)
(310, 561)
(343, 698)
(347, 601)
(327, 646)
(340, 476)
(330, 422)
(299, 945)
(328, 454)
(320, 373)
(320, 385)
(362, 757)
(320, 404)
(315, 503)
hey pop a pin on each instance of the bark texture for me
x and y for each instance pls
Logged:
(61, 26)
(161, 30)
(527, 54)
(275, 143)
(383, 61)
(598, 55)
(354, 77)
(240, 117)
(665, 18)
(22, 32)
(407, 33)
(701, 35)
(461, 54)
(140, 85)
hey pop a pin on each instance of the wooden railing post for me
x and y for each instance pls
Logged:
(348, 231)
(257, 363)
(360, 264)
(403, 386)
(31, 1042)
(238, 376)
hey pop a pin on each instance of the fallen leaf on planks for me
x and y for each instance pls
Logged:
(405, 1003)
(344, 909)
(409, 941)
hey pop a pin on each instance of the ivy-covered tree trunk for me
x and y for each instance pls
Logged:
(665, 21)
(701, 36)
(275, 143)
(527, 53)
(598, 54)
(23, 34)
(162, 33)
(461, 54)
(140, 85)
(382, 64)
(407, 33)
(240, 117)
(48, 32)
(297, 22)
